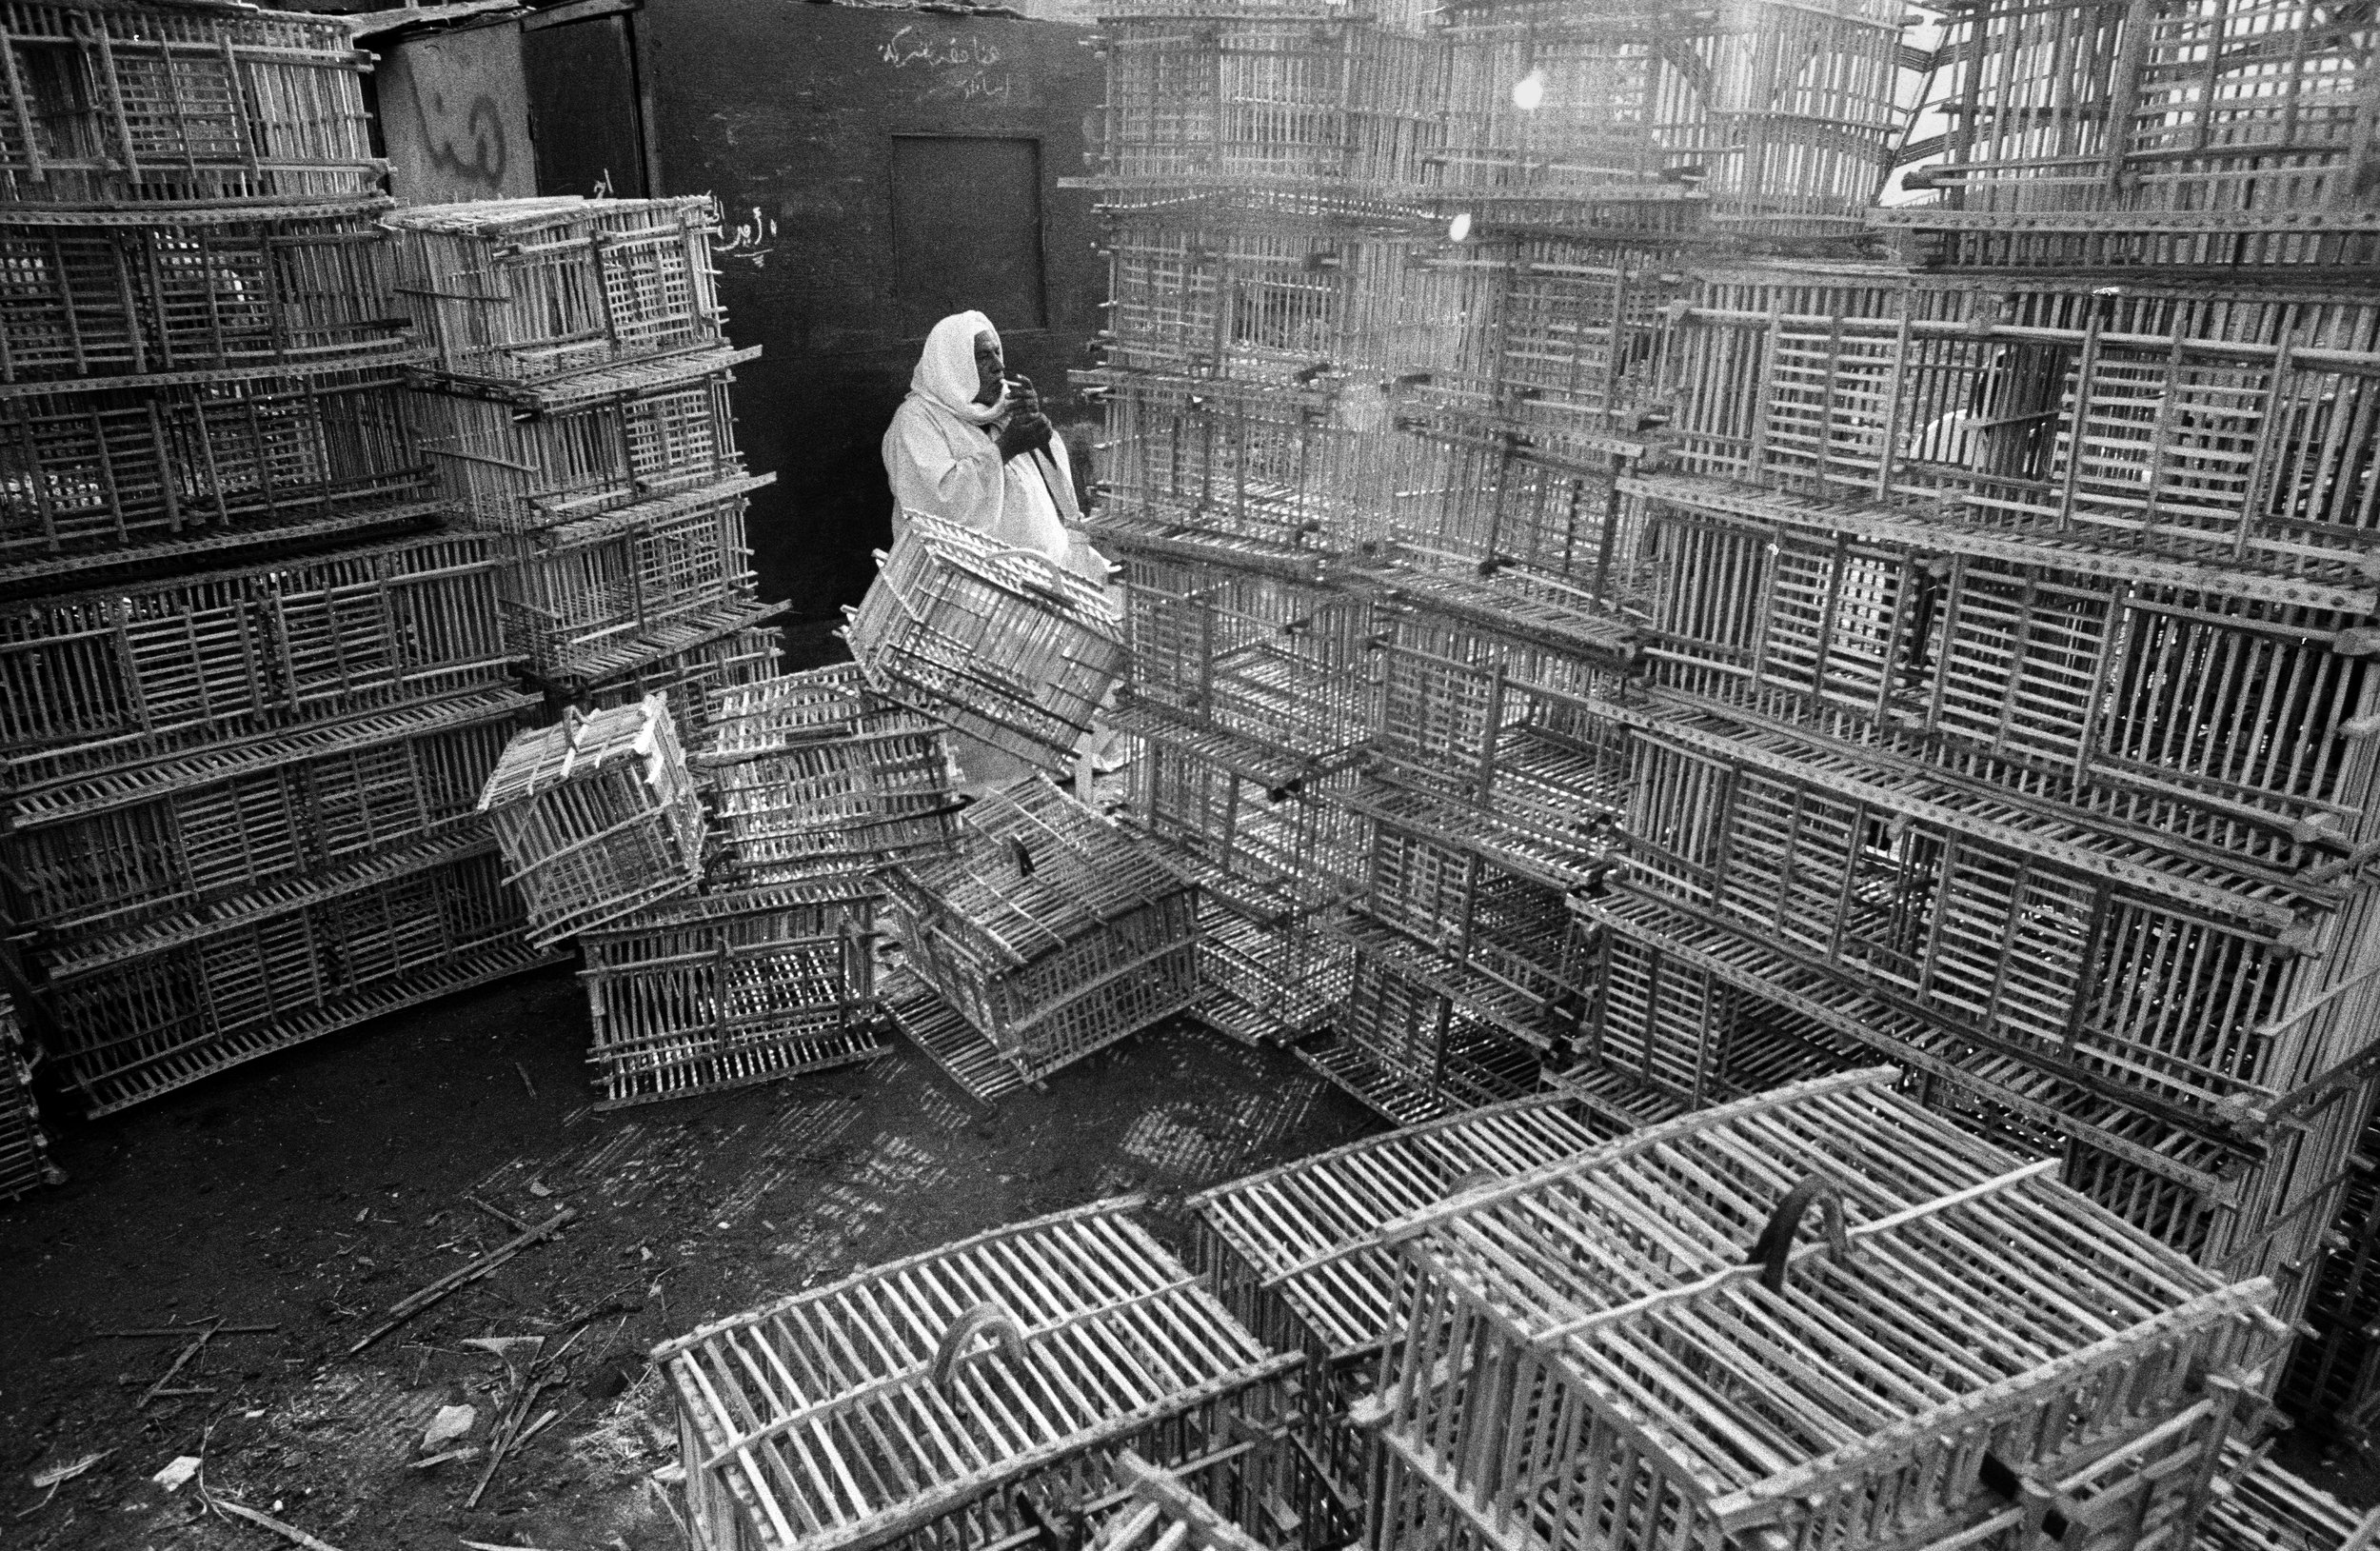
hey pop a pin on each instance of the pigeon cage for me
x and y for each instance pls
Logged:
(2260, 1506)
(93, 681)
(1002, 644)
(188, 467)
(1661, 1344)
(815, 772)
(2332, 1385)
(1267, 838)
(597, 816)
(1162, 1510)
(735, 647)
(963, 1397)
(721, 990)
(24, 1147)
(129, 104)
(185, 294)
(590, 444)
(1272, 983)
(522, 291)
(581, 595)
(1049, 931)
(1296, 1253)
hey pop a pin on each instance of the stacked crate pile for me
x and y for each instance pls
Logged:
(1388, 296)
(2005, 620)
(575, 408)
(245, 702)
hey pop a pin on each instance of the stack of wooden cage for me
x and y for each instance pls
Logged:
(1559, 1373)
(1049, 929)
(1002, 644)
(575, 399)
(244, 704)
(969, 1395)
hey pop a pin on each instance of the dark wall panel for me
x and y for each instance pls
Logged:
(582, 105)
(816, 127)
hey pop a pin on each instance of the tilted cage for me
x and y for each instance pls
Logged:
(91, 680)
(625, 434)
(1050, 930)
(871, 1413)
(1004, 645)
(83, 473)
(597, 816)
(702, 994)
(1660, 1343)
(739, 650)
(815, 772)
(153, 1014)
(579, 594)
(189, 293)
(124, 104)
(110, 852)
(526, 289)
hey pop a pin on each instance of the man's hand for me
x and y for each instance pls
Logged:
(1023, 433)
(1024, 399)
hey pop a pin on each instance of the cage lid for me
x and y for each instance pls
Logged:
(1795, 1290)
(850, 1415)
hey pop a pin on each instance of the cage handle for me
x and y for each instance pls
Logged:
(984, 1319)
(1775, 1244)
(1021, 855)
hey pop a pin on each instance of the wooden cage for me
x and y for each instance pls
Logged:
(741, 649)
(1273, 982)
(1000, 643)
(519, 290)
(622, 435)
(1297, 1254)
(1259, 97)
(869, 1413)
(597, 816)
(1161, 1508)
(1050, 930)
(123, 103)
(186, 998)
(24, 1147)
(700, 994)
(2269, 1508)
(2333, 1385)
(1416, 1041)
(98, 680)
(2213, 423)
(2157, 711)
(1262, 851)
(579, 594)
(82, 473)
(188, 295)
(816, 772)
(2243, 113)
(106, 853)
(1655, 1344)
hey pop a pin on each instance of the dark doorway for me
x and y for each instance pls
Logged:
(584, 104)
(968, 230)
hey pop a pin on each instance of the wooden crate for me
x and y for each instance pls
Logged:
(2045, 1355)
(1425, 1042)
(743, 651)
(2149, 711)
(2215, 423)
(698, 995)
(513, 290)
(597, 816)
(105, 854)
(96, 681)
(96, 475)
(825, 1420)
(186, 998)
(1298, 1256)
(579, 594)
(131, 104)
(24, 1147)
(1164, 1507)
(1270, 984)
(999, 643)
(1262, 851)
(1288, 302)
(189, 295)
(1050, 931)
(588, 444)
(2269, 1508)
(1259, 98)
(2241, 114)
(2332, 1383)
(816, 772)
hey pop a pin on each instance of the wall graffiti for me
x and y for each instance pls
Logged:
(470, 145)
(452, 108)
(964, 67)
(751, 241)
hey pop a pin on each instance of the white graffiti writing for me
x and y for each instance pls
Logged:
(911, 46)
(754, 239)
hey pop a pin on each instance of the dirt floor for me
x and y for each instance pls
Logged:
(313, 1190)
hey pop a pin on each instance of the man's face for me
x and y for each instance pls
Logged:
(987, 367)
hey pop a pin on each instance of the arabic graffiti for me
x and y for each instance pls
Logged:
(754, 239)
(963, 63)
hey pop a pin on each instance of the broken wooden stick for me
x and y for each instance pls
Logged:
(288, 1532)
(188, 1352)
(406, 1309)
(159, 1330)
